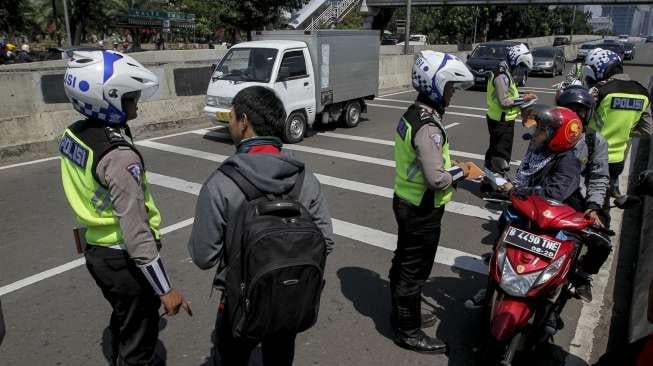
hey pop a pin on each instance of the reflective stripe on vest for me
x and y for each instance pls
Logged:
(615, 117)
(409, 180)
(90, 201)
(494, 107)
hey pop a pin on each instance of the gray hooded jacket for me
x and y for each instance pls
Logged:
(220, 198)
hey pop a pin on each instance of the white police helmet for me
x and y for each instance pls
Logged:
(599, 65)
(519, 54)
(96, 81)
(433, 70)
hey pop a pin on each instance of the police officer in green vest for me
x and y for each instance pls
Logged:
(621, 108)
(424, 180)
(104, 180)
(503, 103)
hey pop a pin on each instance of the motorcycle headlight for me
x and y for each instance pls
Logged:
(515, 284)
(550, 271)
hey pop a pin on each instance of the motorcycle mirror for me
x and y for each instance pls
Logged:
(627, 202)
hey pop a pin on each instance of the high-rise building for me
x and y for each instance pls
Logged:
(632, 20)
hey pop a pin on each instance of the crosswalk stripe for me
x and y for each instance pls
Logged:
(363, 234)
(454, 207)
(391, 143)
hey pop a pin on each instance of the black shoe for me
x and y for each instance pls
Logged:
(478, 301)
(420, 342)
(614, 191)
(428, 319)
(584, 289)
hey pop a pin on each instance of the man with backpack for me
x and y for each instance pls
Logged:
(262, 219)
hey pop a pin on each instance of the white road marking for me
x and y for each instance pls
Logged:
(391, 143)
(453, 207)
(28, 163)
(454, 124)
(364, 234)
(148, 139)
(72, 264)
(401, 92)
(451, 106)
(537, 91)
(590, 314)
(448, 112)
(536, 88)
(378, 238)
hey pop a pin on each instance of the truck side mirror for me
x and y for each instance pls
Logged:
(469, 55)
(284, 73)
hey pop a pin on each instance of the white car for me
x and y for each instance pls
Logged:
(623, 38)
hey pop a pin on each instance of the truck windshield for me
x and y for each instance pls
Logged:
(246, 64)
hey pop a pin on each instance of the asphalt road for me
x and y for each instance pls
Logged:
(58, 316)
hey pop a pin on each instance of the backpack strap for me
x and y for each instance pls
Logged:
(297, 188)
(249, 190)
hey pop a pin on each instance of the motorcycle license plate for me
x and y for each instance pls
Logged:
(530, 242)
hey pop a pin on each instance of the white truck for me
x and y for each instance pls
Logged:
(323, 75)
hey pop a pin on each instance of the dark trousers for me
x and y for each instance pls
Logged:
(228, 351)
(417, 241)
(134, 323)
(501, 136)
(615, 170)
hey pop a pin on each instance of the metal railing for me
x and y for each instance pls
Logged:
(333, 13)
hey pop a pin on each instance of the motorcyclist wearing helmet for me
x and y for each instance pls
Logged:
(424, 180)
(23, 54)
(105, 183)
(503, 103)
(592, 151)
(621, 108)
(550, 167)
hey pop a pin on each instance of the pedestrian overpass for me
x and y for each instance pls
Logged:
(402, 3)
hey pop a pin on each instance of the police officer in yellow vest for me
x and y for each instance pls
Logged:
(621, 108)
(104, 180)
(424, 181)
(503, 103)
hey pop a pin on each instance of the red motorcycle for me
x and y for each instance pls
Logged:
(530, 273)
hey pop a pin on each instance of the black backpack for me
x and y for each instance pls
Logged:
(275, 257)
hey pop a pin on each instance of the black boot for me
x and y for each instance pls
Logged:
(583, 286)
(407, 327)
(428, 318)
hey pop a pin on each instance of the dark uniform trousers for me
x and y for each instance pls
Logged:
(501, 138)
(134, 323)
(228, 351)
(417, 243)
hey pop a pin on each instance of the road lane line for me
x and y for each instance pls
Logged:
(582, 344)
(537, 91)
(28, 163)
(57, 157)
(453, 207)
(72, 264)
(448, 112)
(451, 106)
(401, 92)
(391, 143)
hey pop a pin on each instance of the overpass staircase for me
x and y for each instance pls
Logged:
(321, 13)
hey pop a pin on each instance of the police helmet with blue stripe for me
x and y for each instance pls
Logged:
(98, 83)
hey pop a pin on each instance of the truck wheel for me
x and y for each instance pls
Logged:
(352, 114)
(295, 128)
